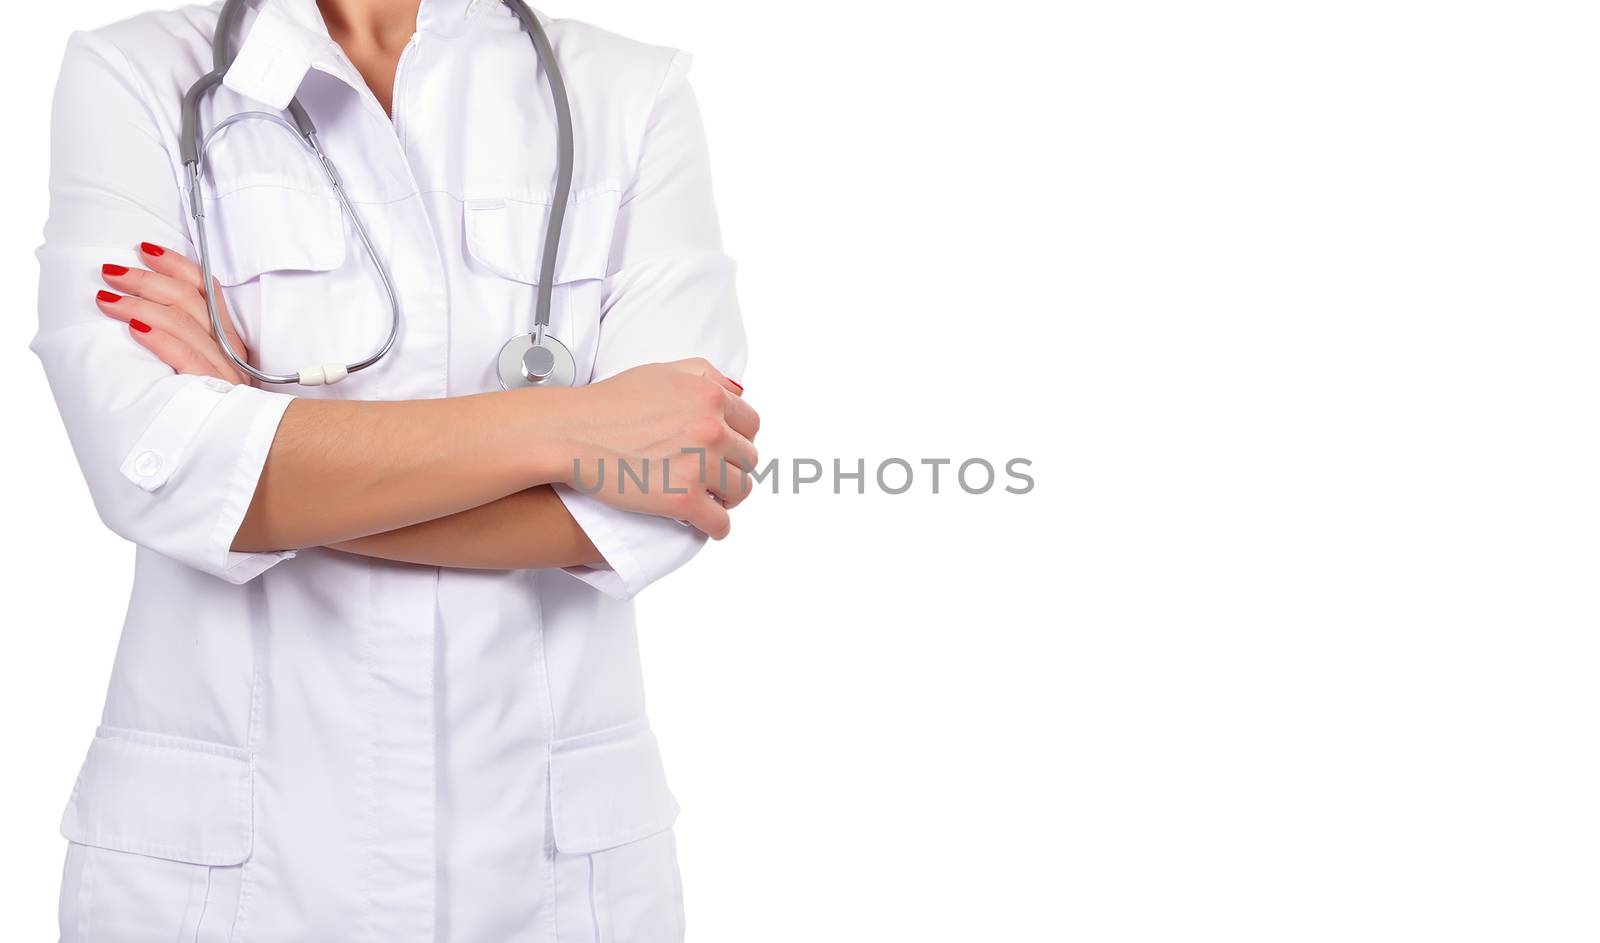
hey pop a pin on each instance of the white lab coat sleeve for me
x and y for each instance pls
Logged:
(668, 294)
(171, 461)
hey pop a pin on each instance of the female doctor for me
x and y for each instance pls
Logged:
(379, 679)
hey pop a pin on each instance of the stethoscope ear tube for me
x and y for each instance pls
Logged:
(564, 162)
(189, 136)
(228, 22)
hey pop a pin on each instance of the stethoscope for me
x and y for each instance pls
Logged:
(533, 359)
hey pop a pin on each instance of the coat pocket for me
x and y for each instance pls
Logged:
(505, 239)
(507, 236)
(160, 827)
(608, 788)
(264, 228)
(299, 286)
(616, 860)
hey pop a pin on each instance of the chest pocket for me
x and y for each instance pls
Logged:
(505, 244)
(300, 290)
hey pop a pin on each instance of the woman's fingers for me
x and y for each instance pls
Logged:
(731, 484)
(738, 413)
(170, 349)
(702, 367)
(165, 317)
(707, 516)
(722, 467)
(180, 268)
(741, 416)
(739, 451)
(161, 289)
(172, 264)
(198, 351)
(724, 470)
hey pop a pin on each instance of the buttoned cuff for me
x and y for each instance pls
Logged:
(198, 463)
(638, 548)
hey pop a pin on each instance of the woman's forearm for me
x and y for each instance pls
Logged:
(342, 470)
(524, 531)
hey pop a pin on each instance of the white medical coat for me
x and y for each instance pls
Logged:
(315, 746)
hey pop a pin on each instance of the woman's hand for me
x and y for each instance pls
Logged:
(670, 439)
(165, 309)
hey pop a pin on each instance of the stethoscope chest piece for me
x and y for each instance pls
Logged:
(523, 362)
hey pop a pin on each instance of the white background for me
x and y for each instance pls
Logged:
(1293, 306)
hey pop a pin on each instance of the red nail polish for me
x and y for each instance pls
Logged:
(108, 297)
(139, 325)
(151, 249)
(111, 268)
(737, 384)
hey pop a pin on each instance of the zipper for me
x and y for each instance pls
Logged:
(352, 77)
(397, 94)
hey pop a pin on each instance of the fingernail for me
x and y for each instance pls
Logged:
(111, 268)
(139, 325)
(737, 384)
(150, 248)
(108, 297)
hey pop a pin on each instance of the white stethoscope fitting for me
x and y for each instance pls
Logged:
(532, 359)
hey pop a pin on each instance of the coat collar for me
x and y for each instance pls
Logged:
(279, 45)
(287, 38)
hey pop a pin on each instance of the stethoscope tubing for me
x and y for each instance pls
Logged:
(213, 309)
(564, 162)
(193, 149)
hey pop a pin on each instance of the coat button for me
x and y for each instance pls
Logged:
(146, 464)
(219, 386)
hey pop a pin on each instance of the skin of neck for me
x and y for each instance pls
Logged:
(378, 25)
